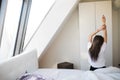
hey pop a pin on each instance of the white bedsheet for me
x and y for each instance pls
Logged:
(110, 73)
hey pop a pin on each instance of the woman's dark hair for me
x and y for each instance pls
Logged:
(95, 47)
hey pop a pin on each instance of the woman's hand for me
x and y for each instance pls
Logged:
(103, 19)
(104, 27)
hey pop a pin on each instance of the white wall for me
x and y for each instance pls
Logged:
(115, 37)
(66, 45)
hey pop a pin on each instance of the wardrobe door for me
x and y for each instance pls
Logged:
(86, 26)
(90, 14)
(105, 8)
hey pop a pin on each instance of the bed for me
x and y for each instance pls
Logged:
(25, 67)
(110, 73)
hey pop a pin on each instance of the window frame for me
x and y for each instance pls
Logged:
(22, 27)
(3, 8)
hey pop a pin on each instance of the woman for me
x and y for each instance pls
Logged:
(96, 47)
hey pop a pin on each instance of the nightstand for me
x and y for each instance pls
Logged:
(65, 65)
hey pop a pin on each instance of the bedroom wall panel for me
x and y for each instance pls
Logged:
(90, 14)
(86, 25)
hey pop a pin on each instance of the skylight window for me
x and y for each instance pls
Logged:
(39, 10)
(19, 15)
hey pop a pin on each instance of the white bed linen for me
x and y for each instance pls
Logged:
(110, 73)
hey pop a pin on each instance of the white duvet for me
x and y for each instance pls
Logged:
(110, 73)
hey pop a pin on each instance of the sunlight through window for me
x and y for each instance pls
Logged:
(10, 27)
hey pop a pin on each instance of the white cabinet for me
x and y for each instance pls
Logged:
(90, 14)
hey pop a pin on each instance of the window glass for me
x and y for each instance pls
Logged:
(10, 27)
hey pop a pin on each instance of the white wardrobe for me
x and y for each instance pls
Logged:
(90, 14)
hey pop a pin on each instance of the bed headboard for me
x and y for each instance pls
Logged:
(16, 66)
